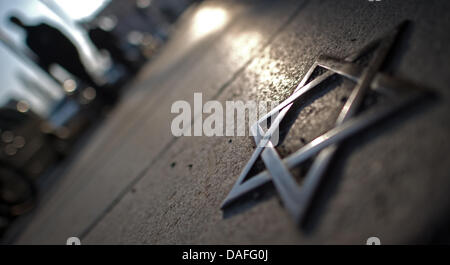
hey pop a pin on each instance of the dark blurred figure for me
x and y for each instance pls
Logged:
(106, 40)
(51, 46)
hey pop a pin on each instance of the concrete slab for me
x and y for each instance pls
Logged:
(136, 183)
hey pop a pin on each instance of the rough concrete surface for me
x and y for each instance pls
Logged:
(135, 183)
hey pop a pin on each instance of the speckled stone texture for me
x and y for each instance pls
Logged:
(136, 183)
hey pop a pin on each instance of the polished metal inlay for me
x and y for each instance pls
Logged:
(367, 77)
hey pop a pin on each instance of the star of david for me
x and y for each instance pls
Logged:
(367, 78)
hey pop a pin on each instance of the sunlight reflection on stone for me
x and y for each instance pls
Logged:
(209, 20)
(243, 45)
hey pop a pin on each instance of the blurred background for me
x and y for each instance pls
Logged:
(64, 66)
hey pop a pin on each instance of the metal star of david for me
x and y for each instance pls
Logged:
(296, 199)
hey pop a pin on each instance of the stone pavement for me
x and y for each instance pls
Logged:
(135, 183)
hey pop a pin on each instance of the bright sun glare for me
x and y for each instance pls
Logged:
(209, 20)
